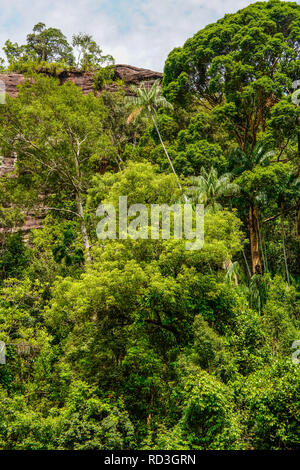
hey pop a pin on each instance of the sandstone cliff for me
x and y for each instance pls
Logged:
(130, 76)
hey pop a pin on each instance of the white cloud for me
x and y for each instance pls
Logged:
(138, 32)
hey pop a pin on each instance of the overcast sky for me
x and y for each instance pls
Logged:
(135, 32)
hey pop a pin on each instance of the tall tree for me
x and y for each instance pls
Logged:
(49, 45)
(208, 188)
(14, 52)
(89, 53)
(240, 66)
(247, 161)
(43, 45)
(56, 132)
(284, 133)
(147, 101)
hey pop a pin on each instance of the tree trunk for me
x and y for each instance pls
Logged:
(261, 246)
(246, 262)
(254, 240)
(167, 155)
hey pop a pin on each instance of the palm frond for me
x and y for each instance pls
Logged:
(133, 115)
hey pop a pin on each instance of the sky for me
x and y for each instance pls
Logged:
(135, 32)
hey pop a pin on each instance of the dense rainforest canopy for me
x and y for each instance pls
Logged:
(140, 343)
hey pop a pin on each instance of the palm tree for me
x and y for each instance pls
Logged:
(209, 188)
(147, 101)
(296, 101)
(242, 161)
(232, 271)
(246, 161)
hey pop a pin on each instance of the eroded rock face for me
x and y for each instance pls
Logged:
(85, 80)
(11, 81)
(135, 75)
(129, 74)
(7, 165)
(33, 220)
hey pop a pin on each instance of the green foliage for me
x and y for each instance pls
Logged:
(239, 65)
(14, 256)
(48, 44)
(90, 55)
(66, 251)
(207, 420)
(140, 343)
(208, 188)
(43, 45)
(47, 49)
(103, 76)
(85, 423)
(272, 406)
